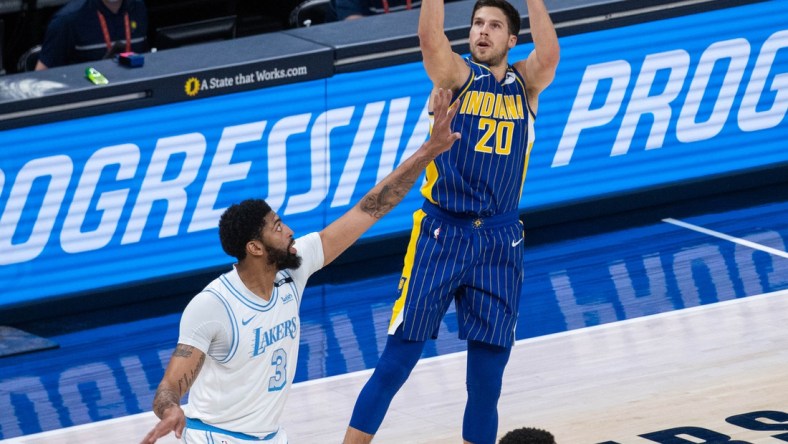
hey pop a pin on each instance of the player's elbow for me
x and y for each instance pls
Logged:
(550, 56)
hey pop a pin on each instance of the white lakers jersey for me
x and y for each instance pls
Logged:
(251, 346)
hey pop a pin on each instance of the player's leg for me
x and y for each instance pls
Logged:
(484, 376)
(425, 290)
(395, 364)
(487, 315)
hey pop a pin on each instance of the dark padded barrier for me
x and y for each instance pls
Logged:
(31, 98)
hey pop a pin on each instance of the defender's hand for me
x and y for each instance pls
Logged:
(173, 420)
(442, 137)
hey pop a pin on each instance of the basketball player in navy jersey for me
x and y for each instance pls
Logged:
(466, 244)
(238, 343)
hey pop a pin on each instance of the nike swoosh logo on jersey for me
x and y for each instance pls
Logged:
(517, 242)
(246, 321)
(481, 77)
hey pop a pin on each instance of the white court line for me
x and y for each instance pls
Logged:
(724, 236)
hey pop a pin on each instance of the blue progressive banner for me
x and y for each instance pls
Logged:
(133, 196)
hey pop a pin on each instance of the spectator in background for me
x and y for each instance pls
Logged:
(353, 9)
(528, 435)
(87, 30)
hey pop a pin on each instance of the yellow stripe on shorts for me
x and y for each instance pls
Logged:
(407, 269)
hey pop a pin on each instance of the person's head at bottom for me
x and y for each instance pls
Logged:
(528, 435)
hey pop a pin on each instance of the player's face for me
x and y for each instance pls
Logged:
(279, 243)
(489, 39)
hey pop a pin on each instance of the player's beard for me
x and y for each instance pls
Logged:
(491, 59)
(282, 259)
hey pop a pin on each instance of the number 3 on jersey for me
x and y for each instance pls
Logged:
(279, 362)
(502, 130)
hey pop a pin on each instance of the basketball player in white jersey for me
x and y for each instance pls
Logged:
(238, 343)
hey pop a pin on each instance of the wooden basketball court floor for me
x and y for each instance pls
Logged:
(689, 368)
(625, 370)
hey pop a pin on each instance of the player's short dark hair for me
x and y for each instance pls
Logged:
(512, 15)
(528, 435)
(241, 223)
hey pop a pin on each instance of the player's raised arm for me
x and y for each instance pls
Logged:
(181, 372)
(539, 68)
(340, 234)
(444, 67)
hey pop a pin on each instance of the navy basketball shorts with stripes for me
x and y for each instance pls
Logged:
(476, 262)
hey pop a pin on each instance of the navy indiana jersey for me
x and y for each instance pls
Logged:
(483, 174)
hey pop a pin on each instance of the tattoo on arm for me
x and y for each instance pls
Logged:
(164, 399)
(378, 205)
(165, 395)
(394, 187)
(187, 379)
(183, 351)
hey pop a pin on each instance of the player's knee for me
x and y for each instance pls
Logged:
(483, 393)
(399, 356)
(392, 372)
(393, 369)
